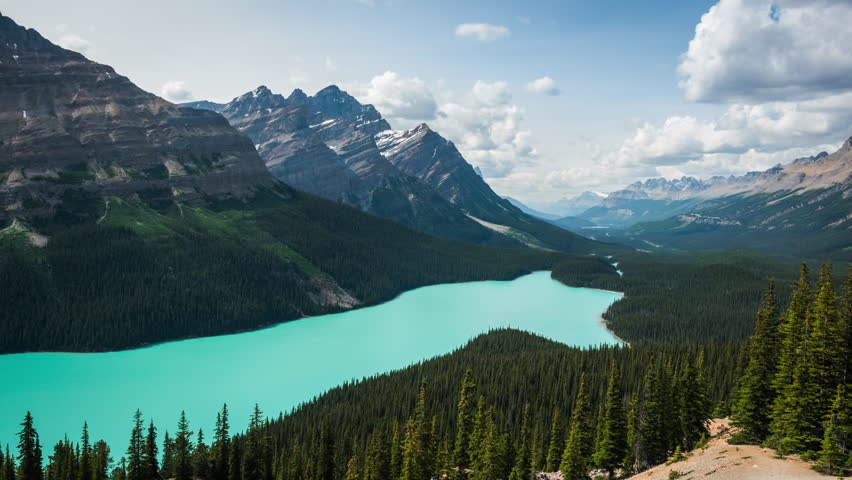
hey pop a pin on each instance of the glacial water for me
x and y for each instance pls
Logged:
(282, 366)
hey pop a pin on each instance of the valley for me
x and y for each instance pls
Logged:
(329, 286)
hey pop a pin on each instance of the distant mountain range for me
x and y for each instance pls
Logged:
(803, 208)
(331, 145)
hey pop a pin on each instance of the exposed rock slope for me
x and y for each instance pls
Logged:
(67, 123)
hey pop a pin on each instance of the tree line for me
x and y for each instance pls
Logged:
(670, 413)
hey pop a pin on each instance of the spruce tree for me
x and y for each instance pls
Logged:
(411, 450)
(220, 449)
(396, 452)
(488, 459)
(234, 472)
(254, 448)
(791, 342)
(85, 465)
(835, 457)
(630, 456)
(755, 391)
(653, 441)
(167, 468)
(325, 464)
(612, 447)
(522, 468)
(557, 442)
(135, 468)
(150, 460)
(377, 459)
(578, 447)
(353, 469)
(201, 458)
(477, 434)
(101, 460)
(29, 452)
(461, 457)
(10, 467)
(183, 449)
(693, 406)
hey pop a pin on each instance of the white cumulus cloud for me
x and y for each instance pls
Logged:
(398, 97)
(484, 32)
(71, 41)
(769, 50)
(544, 85)
(176, 91)
(488, 128)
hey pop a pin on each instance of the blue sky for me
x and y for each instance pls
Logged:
(613, 109)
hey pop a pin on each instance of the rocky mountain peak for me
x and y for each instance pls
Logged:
(67, 123)
(297, 97)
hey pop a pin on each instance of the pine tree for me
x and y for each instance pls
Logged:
(353, 469)
(201, 458)
(578, 447)
(234, 472)
(410, 452)
(254, 448)
(557, 442)
(29, 452)
(444, 460)
(522, 468)
(183, 449)
(167, 468)
(756, 395)
(791, 330)
(693, 406)
(477, 434)
(612, 446)
(396, 452)
(835, 457)
(85, 465)
(652, 442)
(791, 341)
(135, 469)
(220, 449)
(377, 460)
(487, 462)
(630, 456)
(151, 465)
(464, 428)
(325, 464)
(101, 460)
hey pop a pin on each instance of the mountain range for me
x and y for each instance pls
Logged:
(127, 220)
(801, 209)
(331, 145)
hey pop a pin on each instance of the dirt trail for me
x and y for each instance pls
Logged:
(720, 461)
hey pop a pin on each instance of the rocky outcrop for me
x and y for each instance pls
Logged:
(67, 123)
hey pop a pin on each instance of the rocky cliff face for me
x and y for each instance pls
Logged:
(423, 153)
(326, 145)
(426, 155)
(67, 123)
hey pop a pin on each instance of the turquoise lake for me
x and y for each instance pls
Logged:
(282, 366)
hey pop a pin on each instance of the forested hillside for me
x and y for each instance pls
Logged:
(130, 273)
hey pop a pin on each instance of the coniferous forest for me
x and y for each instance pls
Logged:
(510, 404)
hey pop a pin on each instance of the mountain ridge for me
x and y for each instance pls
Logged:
(331, 145)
